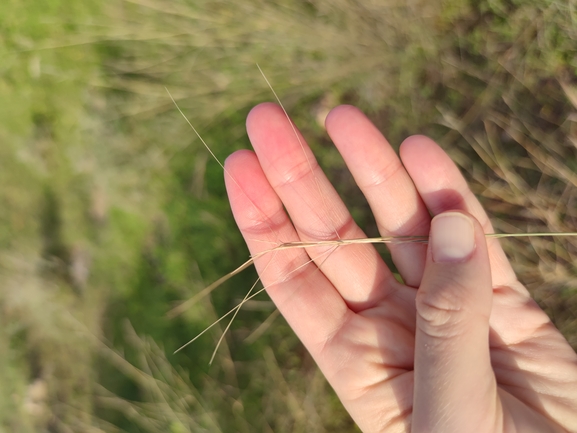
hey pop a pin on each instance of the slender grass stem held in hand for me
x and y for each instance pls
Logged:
(300, 244)
(450, 343)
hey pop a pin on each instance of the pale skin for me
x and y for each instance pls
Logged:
(460, 346)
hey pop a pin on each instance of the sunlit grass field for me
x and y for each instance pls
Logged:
(113, 212)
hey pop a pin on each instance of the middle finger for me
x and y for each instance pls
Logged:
(387, 186)
(316, 210)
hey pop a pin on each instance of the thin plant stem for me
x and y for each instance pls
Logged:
(334, 243)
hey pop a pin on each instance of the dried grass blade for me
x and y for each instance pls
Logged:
(258, 292)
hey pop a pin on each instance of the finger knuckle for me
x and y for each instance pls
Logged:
(440, 312)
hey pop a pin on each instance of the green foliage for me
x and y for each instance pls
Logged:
(113, 212)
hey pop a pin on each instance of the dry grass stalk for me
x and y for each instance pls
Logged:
(335, 243)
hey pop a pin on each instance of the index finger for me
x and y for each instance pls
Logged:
(442, 187)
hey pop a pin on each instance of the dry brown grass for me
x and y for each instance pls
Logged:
(493, 82)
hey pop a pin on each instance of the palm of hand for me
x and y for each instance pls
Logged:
(356, 320)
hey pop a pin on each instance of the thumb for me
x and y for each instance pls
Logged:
(455, 388)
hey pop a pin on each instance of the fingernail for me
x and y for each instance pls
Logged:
(452, 237)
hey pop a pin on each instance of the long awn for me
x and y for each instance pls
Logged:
(333, 244)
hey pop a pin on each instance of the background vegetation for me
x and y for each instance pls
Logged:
(112, 211)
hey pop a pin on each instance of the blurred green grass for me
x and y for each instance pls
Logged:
(113, 212)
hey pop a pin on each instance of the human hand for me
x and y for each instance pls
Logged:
(461, 346)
